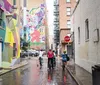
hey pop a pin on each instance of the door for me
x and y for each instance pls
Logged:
(69, 50)
(14, 49)
(0, 54)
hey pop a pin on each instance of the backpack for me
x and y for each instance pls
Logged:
(67, 57)
(64, 57)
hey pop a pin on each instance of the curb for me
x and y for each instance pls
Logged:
(73, 77)
(13, 69)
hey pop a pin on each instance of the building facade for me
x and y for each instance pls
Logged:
(9, 30)
(86, 27)
(56, 25)
(36, 24)
(65, 23)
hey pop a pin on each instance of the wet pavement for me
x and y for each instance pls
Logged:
(33, 75)
(82, 76)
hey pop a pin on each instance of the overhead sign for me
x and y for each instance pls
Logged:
(67, 38)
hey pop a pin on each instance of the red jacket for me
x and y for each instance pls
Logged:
(50, 54)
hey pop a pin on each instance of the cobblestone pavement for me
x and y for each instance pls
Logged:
(33, 75)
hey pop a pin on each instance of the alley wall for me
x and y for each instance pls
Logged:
(87, 51)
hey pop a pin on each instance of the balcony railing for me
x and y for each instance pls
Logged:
(56, 20)
(56, 11)
(56, 33)
(56, 26)
(56, 36)
(56, 40)
(56, 4)
(56, 8)
(56, 23)
(56, 14)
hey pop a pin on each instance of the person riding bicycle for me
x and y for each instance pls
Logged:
(64, 59)
(50, 56)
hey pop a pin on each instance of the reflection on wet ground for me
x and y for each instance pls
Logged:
(32, 75)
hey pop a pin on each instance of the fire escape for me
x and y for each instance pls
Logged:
(56, 25)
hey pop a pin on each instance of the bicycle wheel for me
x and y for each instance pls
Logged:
(49, 65)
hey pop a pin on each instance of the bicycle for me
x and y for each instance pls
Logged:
(50, 63)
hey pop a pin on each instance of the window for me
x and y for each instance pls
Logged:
(67, 1)
(87, 29)
(14, 49)
(0, 22)
(68, 24)
(68, 11)
(78, 34)
(1, 18)
(14, 2)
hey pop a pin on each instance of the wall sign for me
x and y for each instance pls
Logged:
(67, 38)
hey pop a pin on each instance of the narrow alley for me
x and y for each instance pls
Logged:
(31, 74)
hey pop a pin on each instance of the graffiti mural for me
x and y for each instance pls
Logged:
(36, 26)
(35, 36)
(6, 6)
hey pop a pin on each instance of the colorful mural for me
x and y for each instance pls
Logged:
(6, 6)
(9, 33)
(36, 26)
(12, 40)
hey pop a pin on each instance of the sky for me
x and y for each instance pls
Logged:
(50, 16)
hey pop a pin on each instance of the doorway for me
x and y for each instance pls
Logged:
(14, 49)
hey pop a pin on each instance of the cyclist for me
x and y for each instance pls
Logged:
(50, 56)
(64, 59)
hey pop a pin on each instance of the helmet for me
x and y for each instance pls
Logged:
(64, 51)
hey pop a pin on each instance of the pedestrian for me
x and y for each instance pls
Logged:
(65, 58)
(40, 58)
(50, 56)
